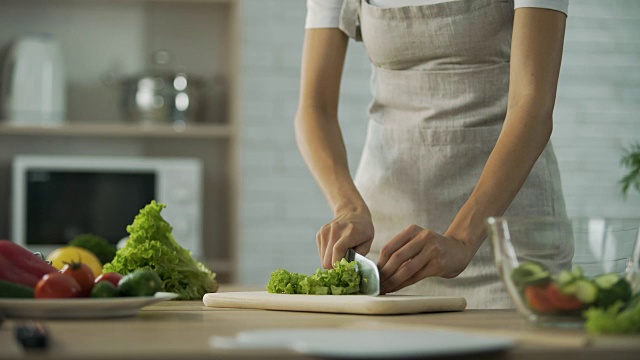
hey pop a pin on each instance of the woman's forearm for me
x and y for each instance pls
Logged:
(536, 53)
(525, 134)
(317, 129)
(320, 141)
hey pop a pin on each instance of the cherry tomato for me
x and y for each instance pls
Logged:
(538, 300)
(83, 275)
(561, 301)
(111, 277)
(57, 285)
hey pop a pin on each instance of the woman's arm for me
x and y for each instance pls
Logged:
(536, 53)
(320, 141)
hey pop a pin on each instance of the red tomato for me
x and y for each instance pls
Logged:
(561, 301)
(57, 285)
(111, 277)
(538, 299)
(83, 275)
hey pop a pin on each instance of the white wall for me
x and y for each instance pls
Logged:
(597, 113)
(282, 207)
(597, 110)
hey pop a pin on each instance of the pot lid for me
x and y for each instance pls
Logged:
(161, 73)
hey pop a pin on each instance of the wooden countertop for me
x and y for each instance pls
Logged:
(181, 330)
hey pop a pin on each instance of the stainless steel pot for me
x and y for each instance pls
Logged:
(162, 95)
(163, 98)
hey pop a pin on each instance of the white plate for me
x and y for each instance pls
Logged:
(79, 308)
(365, 344)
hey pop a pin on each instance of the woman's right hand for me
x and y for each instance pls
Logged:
(347, 230)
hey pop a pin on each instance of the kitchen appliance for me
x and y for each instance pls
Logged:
(345, 304)
(32, 82)
(55, 198)
(163, 95)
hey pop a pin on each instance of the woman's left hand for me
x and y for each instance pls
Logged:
(417, 253)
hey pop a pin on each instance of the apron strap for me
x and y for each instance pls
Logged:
(350, 19)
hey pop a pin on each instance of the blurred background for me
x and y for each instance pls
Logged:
(213, 86)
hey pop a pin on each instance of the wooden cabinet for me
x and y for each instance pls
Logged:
(105, 40)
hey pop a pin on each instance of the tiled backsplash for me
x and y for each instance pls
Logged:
(597, 114)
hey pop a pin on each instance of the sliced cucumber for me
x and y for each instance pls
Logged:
(577, 272)
(565, 277)
(533, 267)
(570, 288)
(607, 281)
(530, 274)
(536, 280)
(586, 291)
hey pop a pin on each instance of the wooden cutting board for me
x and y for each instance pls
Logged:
(347, 304)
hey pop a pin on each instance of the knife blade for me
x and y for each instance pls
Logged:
(370, 284)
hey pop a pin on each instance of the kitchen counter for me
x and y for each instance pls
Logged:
(181, 330)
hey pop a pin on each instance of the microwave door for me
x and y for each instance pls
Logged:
(63, 204)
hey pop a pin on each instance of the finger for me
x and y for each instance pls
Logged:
(396, 243)
(323, 238)
(425, 272)
(407, 252)
(340, 248)
(406, 271)
(346, 241)
(319, 243)
(364, 248)
(330, 243)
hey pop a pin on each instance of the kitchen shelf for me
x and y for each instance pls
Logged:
(115, 39)
(214, 131)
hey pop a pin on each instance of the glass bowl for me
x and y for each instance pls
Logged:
(554, 269)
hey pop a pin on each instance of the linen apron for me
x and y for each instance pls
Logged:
(440, 81)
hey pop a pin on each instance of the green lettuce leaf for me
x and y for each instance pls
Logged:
(612, 320)
(151, 245)
(343, 279)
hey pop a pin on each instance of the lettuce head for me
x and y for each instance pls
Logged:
(151, 245)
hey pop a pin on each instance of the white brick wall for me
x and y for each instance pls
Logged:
(597, 110)
(597, 114)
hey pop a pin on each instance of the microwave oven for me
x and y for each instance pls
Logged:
(55, 198)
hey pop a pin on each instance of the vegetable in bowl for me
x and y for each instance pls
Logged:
(615, 319)
(605, 301)
(555, 268)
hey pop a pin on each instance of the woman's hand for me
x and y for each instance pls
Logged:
(347, 230)
(417, 253)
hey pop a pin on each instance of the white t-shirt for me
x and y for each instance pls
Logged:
(326, 13)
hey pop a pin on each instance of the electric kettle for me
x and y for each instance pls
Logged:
(32, 82)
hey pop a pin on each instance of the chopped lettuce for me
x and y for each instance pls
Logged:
(615, 319)
(284, 282)
(152, 246)
(343, 279)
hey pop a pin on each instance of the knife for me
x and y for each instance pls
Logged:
(370, 284)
